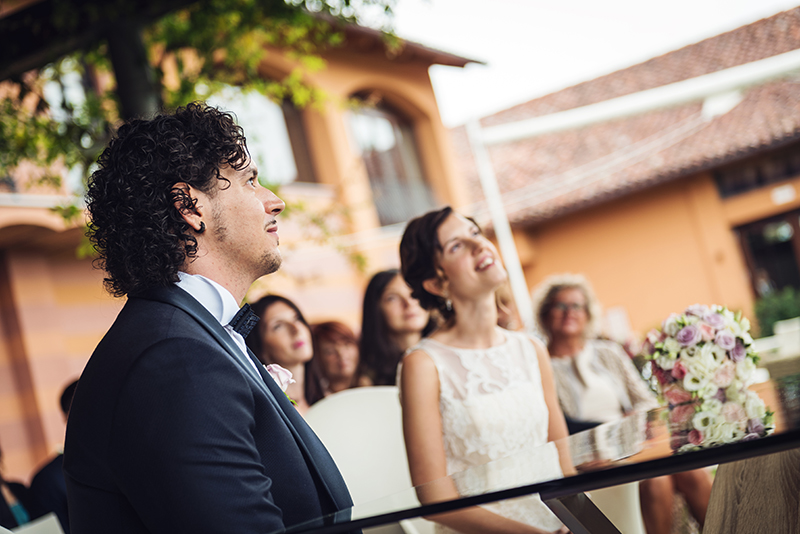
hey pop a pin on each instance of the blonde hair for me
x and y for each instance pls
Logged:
(545, 293)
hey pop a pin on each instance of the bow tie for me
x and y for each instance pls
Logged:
(244, 321)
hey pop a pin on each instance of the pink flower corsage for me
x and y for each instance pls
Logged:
(282, 377)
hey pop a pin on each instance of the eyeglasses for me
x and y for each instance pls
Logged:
(564, 307)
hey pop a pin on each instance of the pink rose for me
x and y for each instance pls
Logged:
(681, 414)
(739, 352)
(698, 310)
(714, 319)
(282, 377)
(725, 339)
(662, 376)
(755, 426)
(695, 437)
(724, 374)
(733, 412)
(689, 335)
(676, 395)
(676, 441)
(678, 371)
(706, 331)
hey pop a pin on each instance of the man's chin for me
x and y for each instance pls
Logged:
(272, 262)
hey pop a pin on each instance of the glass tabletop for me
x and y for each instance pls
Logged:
(639, 446)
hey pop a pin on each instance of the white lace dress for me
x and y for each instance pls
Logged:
(493, 406)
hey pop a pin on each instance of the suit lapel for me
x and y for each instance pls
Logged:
(308, 442)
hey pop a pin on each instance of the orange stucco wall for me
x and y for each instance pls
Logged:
(54, 313)
(653, 252)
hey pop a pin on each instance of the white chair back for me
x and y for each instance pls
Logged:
(621, 506)
(362, 429)
(47, 524)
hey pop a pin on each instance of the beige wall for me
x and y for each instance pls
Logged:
(653, 252)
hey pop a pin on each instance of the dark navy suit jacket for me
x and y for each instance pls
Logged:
(49, 489)
(173, 430)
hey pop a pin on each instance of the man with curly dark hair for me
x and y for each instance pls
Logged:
(175, 426)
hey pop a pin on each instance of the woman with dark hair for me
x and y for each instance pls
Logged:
(473, 392)
(283, 337)
(336, 364)
(392, 321)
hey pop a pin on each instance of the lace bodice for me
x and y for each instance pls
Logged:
(492, 406)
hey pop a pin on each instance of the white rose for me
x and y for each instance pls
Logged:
(734, 392)
(730, 318)
(671, 326)
(708, 358)
(665, 362)
(708, 390)
(734, 327)
(747, 339)
(745, 370)
(702, 420)
(754, 407)
(672, 346)
(727, 431)
(711, 405)
(692, 382)
(692, 319)
(720, 354)
(745, 324)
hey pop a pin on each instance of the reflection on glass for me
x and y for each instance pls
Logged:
(387, 145)
(633, 448)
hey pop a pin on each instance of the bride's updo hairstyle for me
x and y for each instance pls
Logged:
(418, 250)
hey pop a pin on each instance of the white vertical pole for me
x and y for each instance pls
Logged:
(502, 228)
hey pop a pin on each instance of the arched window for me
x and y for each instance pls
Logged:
(385, 140)
(275, 135)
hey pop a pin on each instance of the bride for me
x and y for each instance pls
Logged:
(472, 392)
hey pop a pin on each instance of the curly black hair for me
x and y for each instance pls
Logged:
(418, 249)
(140, 236)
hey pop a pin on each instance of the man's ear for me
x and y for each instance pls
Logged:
(186, 201)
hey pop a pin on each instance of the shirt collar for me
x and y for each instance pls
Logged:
(216, 299)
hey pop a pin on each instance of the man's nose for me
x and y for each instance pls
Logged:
(272, 204)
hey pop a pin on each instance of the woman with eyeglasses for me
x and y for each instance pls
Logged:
(597, 382)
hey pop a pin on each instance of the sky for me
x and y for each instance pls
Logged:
(532, 48)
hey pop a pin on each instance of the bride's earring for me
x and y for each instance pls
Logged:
(447, 302)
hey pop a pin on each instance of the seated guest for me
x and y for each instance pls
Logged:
(392, 321)
(596, 382)
(17, 506)
(335, 365)
(473, 392)
(48, 486)
(282, 336)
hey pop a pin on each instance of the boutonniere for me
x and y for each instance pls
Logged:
(282, 377)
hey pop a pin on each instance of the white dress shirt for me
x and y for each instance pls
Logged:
(218, 301)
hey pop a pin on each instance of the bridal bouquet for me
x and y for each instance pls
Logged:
(703, 361)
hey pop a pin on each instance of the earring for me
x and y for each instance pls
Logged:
(448, 304)
(202, 227)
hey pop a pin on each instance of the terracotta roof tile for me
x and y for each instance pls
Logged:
(550, 175)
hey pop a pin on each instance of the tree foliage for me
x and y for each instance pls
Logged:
(210, 43)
